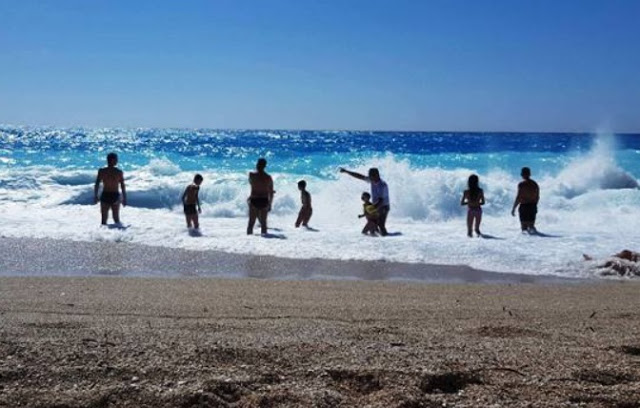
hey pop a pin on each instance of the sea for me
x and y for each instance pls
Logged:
(590, 196)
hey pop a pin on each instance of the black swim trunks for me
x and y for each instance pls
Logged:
(259, 202)
(528, 212)
(190, 209)
(110, 198)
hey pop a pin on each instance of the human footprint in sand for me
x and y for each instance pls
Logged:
(191, 199)
(260, 198)
(111, 178)
(474, 199)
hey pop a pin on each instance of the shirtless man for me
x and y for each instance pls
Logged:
(261, 196)
(379, 194)
(111, 177)
(527, 198)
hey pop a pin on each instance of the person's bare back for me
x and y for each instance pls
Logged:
(111, 177)
(528, 192)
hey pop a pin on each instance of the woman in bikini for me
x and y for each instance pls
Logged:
(474, 199)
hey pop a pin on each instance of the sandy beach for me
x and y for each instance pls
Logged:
(194, 342)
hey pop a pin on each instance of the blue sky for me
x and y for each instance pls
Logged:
(513, 65)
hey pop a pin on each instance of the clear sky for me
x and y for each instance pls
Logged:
(487, 65)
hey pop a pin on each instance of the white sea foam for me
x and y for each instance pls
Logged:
(589, 206)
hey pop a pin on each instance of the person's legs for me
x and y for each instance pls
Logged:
(262, 216)
(300, 218)
(196, 223)
(115, 211)
(469, 222)
(478, 221)
(382, 219)
(187, 217)
(307, 217)
(104, 211)
(253, 213)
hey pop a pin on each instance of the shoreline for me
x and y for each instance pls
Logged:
(166, 342)
(81, 258)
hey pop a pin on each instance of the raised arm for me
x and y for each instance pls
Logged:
(481, 198)
(353, 174)
(96, 187)
(124, 189)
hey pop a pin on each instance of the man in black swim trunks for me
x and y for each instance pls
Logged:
(111, 177)
(261, 197)
(527, 198)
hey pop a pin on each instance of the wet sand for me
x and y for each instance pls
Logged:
(47, 257)
(194, 342)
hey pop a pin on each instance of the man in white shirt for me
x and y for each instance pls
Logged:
(379, 194)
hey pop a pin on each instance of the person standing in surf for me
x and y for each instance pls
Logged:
(379, 194)
(306, 211)
(191, 202)
(527, 198)
(111, 178)
(473, 198)
(261, 197)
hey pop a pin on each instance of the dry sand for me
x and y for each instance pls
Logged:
(141, 342)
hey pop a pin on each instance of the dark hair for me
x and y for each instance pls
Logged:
(525, 172)
(111, 156)
(474, 188)
(302, 183)
(374, 172)
(365, 194)
(262, 162)
(198, 177)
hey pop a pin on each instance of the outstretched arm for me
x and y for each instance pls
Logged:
(353, 174)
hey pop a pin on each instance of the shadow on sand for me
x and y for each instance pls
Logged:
(195, 232)
(311, 229)
(394, 234)
(487, 236)
(118, 226)
(273, 236)
(543, 235)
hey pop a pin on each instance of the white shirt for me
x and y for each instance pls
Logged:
(379, 191)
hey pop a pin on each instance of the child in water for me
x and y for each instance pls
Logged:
(371, 213)
(305, 212)
(190, 200)
(474, 199)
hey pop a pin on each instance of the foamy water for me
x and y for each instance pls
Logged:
(589, 193)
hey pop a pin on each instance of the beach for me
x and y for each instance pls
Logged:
(196, 342)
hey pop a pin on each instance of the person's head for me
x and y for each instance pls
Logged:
(366, 197)
(374, 174)
(525, 173)
(302, 185)
(197, 179)
(112, 159)
(473, 182)
(261, 164)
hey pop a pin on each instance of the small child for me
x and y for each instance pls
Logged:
(474, 199)
(370, 211)
(190, 200)
(305, 212)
